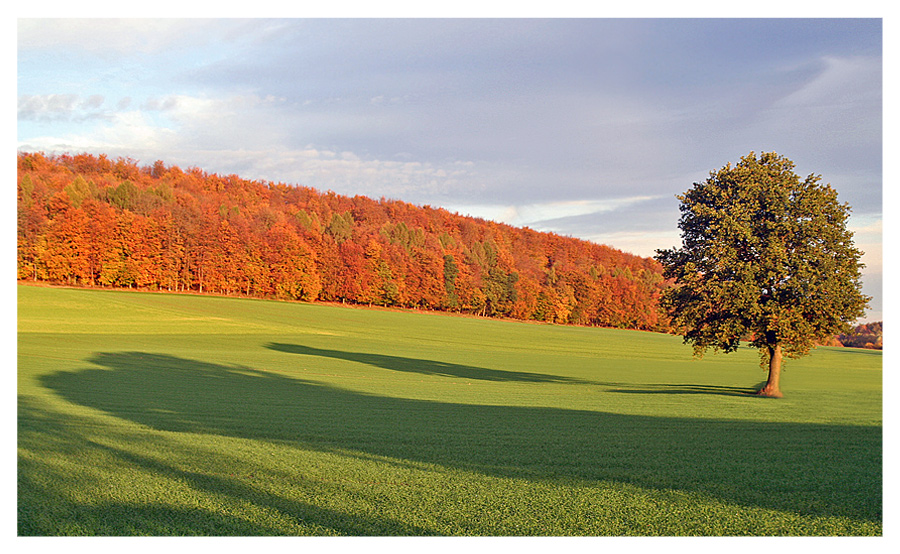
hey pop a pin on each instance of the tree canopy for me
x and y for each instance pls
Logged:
(766, 257)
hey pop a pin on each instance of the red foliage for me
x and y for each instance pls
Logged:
(88, 220)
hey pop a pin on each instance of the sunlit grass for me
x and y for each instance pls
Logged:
(162, 414)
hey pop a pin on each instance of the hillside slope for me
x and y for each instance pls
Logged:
(88, 220)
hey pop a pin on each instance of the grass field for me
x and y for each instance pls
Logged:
(154, 414)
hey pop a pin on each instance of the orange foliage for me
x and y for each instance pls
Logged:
(87, 220)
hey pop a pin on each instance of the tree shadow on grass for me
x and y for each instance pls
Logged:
(808, 469)
(46, 505)
(668, 388)
(424, 367)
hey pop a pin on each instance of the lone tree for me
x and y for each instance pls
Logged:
(765, 257)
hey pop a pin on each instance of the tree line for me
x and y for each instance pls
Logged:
(865, 335)
(94, 221)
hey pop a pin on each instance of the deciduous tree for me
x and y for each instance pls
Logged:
(765, 256)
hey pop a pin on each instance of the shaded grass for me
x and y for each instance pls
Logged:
(322, 420)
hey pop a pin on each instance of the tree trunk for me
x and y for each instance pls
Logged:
(773, 387)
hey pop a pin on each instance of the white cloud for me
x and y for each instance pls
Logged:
(47, 106)
(111, 137)
(242, 134)
(350, 173)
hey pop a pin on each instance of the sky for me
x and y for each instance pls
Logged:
(587, 127)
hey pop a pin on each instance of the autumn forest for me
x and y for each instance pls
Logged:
(89, 220)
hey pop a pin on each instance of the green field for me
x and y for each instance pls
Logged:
(155, 414)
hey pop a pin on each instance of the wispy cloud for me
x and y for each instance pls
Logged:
(49, 107)
(840, 81)
(544, 214)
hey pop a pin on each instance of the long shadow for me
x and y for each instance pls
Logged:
(671, 388)
(809, 469)
(425, 367)
(45, 509)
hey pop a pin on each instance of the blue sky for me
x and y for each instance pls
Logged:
(585, 127)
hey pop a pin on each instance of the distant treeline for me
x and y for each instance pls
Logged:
(93, 221)
(867, 335)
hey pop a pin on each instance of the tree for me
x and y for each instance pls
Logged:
(765, 257)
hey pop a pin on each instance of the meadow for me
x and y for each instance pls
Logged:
(161, 414)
